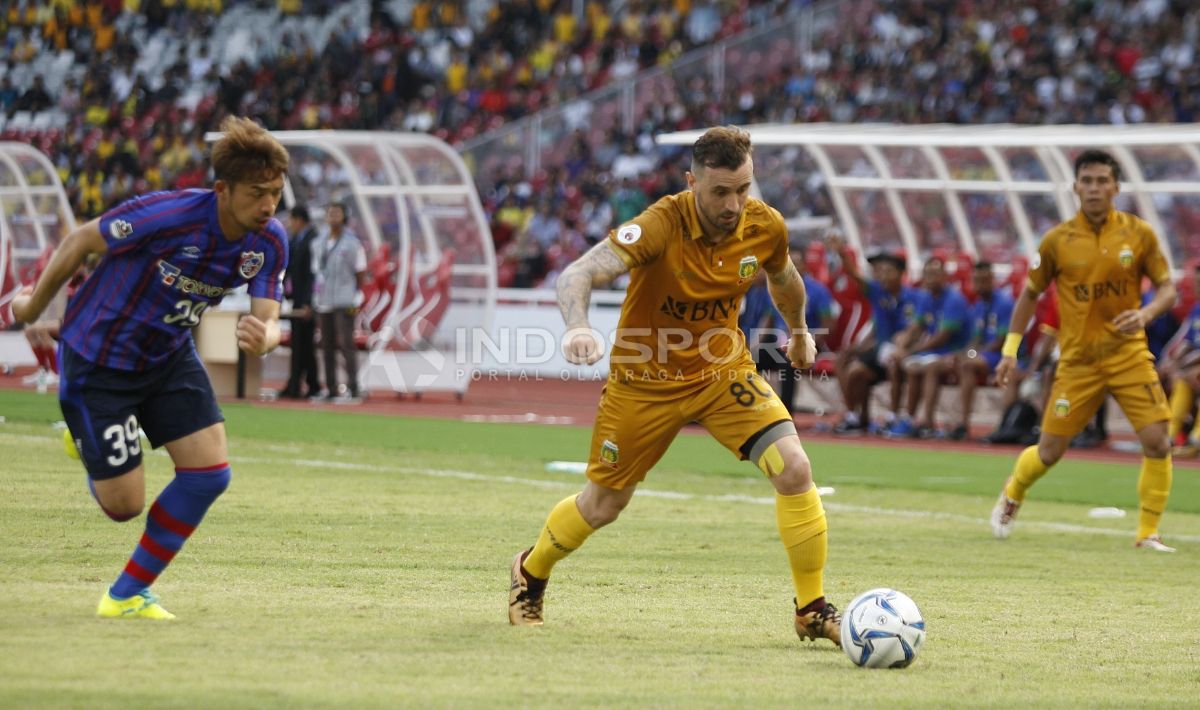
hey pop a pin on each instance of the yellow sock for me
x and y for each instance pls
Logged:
(1154, 485)
(564, 532)
(802, 527)
(1028, 470)
(1181, 407)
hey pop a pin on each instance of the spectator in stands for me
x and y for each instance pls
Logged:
(35, 97)
(893, 308)
(989, 317)
(8, 96)
(298, 287)
(340, 265)
(628, 201)
(939, 331)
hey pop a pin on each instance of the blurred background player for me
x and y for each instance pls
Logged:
(989, 316)
(940, 329)
(893, 308)
(1097, 261)
(1180, 370)
(722, 236)
(127, 357)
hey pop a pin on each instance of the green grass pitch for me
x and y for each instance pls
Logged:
(362, 561)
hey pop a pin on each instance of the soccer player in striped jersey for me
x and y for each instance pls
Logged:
(126, 352)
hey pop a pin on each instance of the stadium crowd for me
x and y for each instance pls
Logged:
(128, 88)
(120, 93)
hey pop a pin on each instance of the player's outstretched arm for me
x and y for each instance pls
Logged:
(599, 266)
(1022, 313)
(258, 332)
(787, 291)
(66, 260)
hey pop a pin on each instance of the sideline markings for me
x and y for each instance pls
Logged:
(678, 495)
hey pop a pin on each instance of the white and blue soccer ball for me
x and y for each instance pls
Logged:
(882, 628)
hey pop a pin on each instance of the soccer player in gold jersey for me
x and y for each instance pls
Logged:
(678, 357)
(1096, 261)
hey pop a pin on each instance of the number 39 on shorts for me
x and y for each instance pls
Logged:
(123, 440)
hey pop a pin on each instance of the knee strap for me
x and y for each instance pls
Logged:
(771, 461)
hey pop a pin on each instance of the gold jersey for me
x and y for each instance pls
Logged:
(1098, 275)
(678, 324)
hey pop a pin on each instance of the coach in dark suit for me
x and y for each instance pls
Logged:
(298, 286)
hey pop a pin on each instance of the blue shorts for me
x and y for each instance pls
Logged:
(104, 408)
(992, 358)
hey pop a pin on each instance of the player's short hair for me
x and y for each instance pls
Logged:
(983, 266)
(726, 147)
(300, 211)
(1095, 156)
(247, 153)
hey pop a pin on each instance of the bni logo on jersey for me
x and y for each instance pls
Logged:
(1125, 256)
(251, 263)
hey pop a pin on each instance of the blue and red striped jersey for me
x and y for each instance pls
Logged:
(167, 261)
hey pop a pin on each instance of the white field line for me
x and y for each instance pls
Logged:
(652, 493)
(676, 495)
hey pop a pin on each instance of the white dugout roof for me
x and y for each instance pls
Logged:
(990, 191)
(408, 191)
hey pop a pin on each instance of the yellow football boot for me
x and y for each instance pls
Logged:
(140, 606)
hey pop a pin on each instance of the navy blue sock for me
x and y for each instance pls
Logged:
(172, 519)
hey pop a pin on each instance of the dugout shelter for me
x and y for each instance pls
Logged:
(431, 272)
(987, 191)
(34, 215)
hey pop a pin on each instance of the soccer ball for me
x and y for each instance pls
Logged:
(882, 628)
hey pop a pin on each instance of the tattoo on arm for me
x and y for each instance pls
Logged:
(787, 290)
(597, 267)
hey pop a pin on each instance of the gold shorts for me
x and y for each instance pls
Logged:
(1079, 390)
(635, 424)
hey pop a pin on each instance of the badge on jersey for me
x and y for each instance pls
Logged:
(747, 267)
(1062, 407)
(629, 234)
(250, 263)
(1126, 256)
(119, 229)
(609, 453)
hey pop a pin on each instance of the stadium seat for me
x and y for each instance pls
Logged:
(378, 292)
(1187, 290)
(1015, 281)
(425, 303)
(10, 284)
(964, 264)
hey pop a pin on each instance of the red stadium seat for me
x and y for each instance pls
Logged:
(1187, 290)
(1016, 278)
(378, 292)
(964, 264)
(10, 284)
